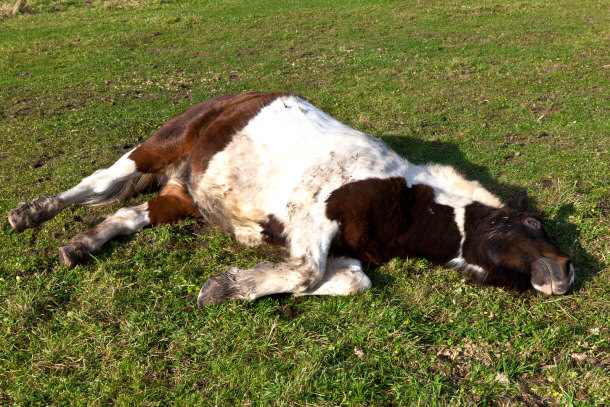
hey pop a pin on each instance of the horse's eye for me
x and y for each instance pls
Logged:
(533, 223)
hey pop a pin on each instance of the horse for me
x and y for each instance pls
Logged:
(271, 167)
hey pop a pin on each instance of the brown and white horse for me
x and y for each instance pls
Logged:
(272, 167)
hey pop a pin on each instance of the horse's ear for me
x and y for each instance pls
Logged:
(519, 201)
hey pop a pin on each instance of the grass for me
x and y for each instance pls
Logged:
(514, 94)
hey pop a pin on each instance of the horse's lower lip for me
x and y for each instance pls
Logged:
(546, 289)
(552, 289)
(560, 289)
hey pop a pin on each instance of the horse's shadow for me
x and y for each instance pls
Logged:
(420, 151)
(568, 239)
(559, 229)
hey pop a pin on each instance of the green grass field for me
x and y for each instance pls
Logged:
(512, 93)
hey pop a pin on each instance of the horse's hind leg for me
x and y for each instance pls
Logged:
(123, 222)
(172, 204)
(99, 187)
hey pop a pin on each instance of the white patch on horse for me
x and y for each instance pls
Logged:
(101, 183)
(459, 263)
(456, 189)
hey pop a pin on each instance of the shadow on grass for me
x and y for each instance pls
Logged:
(586, 266)
(421, 152)
(380, 279)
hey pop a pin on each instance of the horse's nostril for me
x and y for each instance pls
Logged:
(570, 271)
(569, 267)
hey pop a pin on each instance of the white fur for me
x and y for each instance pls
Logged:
(288, 160)
(123, 222)
(101, 181)
(460, 263)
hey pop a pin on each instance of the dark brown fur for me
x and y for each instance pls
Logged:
(172, 204)
(383, 218)
(273, 231)
(504, 242)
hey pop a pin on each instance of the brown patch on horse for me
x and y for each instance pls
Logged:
(273, 231)
(383, 218)
(173, 204)
(433, 233)
(203, 130)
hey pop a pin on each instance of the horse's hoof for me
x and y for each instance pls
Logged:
(216, 290)
(30, 214)
(73, 254)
